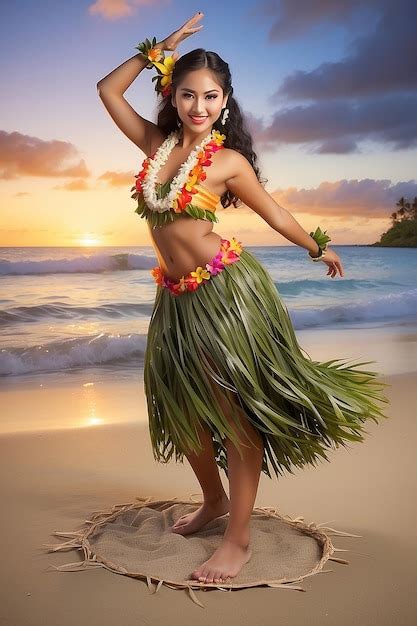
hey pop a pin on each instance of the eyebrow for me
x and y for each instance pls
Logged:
(192, 91)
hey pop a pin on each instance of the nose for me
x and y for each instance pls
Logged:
(199, 107)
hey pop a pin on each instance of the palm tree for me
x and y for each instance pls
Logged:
(404, 208)
(414, 209)
(394, 218)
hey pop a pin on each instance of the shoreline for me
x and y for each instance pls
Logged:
(101, 395)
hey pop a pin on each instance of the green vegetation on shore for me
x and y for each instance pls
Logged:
(403, 232)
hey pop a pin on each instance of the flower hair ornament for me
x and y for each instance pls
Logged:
(164, 65)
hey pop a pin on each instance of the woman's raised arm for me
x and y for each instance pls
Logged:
(111, 88)
(145, 134)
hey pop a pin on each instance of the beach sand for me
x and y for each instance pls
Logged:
(53, 479)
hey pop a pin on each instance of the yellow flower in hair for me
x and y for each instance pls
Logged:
(200, 274)
(166, 68)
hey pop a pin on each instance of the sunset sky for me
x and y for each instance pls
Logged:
(329, 90)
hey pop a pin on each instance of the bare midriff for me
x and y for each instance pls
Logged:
(187, 243)
(183, 245)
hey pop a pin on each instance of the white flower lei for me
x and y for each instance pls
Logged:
(161, 156)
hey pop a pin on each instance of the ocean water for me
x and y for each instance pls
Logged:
(65, 310)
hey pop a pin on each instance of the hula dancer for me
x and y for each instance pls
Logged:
(227, 384)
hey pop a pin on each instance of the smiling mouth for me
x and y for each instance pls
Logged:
(199, 117)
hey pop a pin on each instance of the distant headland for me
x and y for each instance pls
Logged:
(403, 232)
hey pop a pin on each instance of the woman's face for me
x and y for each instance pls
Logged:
(199, 96)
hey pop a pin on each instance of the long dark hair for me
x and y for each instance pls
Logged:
(237, 135)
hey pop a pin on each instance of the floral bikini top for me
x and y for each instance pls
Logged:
(160, 203)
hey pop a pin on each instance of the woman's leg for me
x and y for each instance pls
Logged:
(216, 502)
(244, 474)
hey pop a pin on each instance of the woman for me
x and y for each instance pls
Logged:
(226, 382)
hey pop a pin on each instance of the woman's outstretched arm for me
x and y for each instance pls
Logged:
(243, 182)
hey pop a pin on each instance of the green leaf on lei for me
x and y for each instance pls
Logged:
(320, 237)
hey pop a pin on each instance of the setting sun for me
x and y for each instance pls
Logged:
(89, 240)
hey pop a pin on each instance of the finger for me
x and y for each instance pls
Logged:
(194, 18)
(340, 268)
(331, 271)
(190, 31)
(336, 267)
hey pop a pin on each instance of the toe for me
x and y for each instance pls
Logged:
(217, 577)
(210, 577)
(203, 575)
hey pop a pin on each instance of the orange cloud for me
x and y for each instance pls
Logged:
(118, 179)
(347, 198)
(116, 9)
(24, 155)
(74, 185)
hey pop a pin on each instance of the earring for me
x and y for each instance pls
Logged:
(179, 123)
(225, 116)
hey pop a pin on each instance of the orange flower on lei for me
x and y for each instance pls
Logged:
(197, 174)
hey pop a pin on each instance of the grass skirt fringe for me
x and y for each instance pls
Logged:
(234, 332)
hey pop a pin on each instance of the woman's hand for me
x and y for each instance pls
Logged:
(187, 29)
(333, 261)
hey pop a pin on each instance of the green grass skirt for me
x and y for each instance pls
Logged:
(238, 320)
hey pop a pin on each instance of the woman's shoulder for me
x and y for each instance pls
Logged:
(233, 161)
(229, 152)
(233, 156)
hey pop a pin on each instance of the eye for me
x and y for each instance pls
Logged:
(213, 96)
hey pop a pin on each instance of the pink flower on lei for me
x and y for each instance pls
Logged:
(230, 257)
(217, 265)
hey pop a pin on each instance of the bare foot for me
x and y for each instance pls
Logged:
(226, 562)
(191, 522)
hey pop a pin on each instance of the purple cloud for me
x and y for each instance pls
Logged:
(290, 19)
(370, 95)
(339, 126)
(383, 61)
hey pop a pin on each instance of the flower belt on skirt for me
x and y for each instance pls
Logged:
(229, 253)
